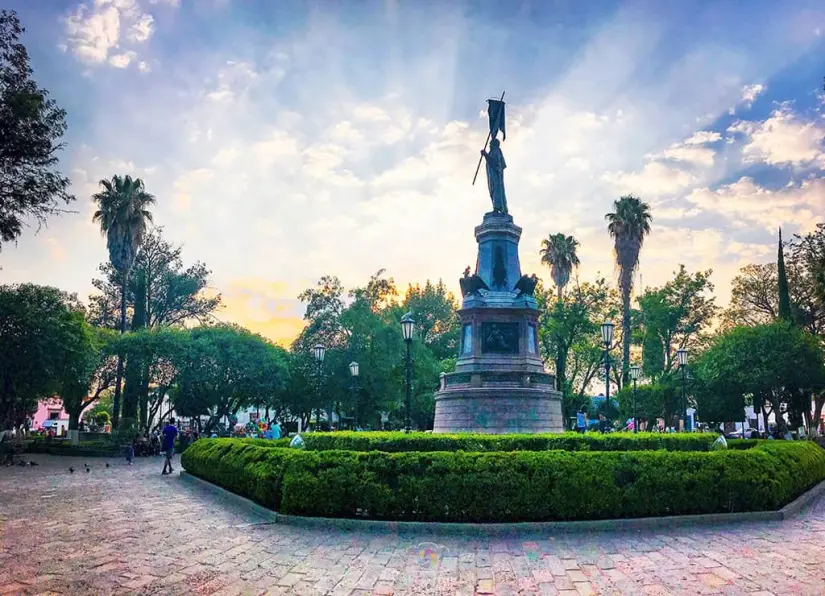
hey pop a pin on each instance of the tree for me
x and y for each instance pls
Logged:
(225, 368)
(434, 309)
(770, 363)
(92, 371)
(123, 216)
(31, 125)
(570, 337)
(41, 335)
(628, 225)
(675, 317)
(559, 253)
(784, 293)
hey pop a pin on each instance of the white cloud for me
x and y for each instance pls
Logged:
(702, 137)
(783, 139)
(96, 30)
(750, 93)
(122, 60)
(655, 179)
(143, 66)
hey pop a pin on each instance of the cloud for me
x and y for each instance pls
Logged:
(654, 180)
(782, 139)
(746, 203)
(122, 60)
(96, 30)
(749, 95)
(269, 308)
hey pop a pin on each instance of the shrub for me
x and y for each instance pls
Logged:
(395, 442)
(512, 486)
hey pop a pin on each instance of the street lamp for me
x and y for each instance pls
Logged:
(681, 356)
(607, 339)
(353, 371)
(319, 351)
(634, 374)
(407, 328)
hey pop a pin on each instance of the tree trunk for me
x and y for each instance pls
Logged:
(74, 420)
(119, 375)
(561, 369)
(625, 334)
(819, 402)
(558, 292)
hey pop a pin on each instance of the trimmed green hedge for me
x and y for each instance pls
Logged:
(509, 487)
(397, 442)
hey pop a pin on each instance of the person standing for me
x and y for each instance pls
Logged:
(581, 421)
(170, 432)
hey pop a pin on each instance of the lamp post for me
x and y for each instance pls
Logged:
(353, 371)
(634, 374)
(407, 329)
(607, 339)
(681, 355)
(319, 351)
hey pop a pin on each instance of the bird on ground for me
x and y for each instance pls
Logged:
(71, 470)
(88, 470)
(33, 463)
(107, 464)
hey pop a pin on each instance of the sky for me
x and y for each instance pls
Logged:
(289, 140)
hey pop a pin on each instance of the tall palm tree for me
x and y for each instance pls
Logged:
(123, 216)
(628, 225)
(559, 253)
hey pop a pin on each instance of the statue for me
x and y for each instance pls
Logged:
(495, 175)
(526, 285)
(499, 269)
(471, 284)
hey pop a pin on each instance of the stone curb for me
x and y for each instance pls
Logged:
(601, 525)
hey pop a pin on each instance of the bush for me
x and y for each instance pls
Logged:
(395, 442)
(509, 487)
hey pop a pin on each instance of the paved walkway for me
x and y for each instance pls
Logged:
(127, 530)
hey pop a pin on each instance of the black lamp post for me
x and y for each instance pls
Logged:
(681, 355)
(635, 371)
(407, 329)
(319, 351)
(607, 339)
(353, 371)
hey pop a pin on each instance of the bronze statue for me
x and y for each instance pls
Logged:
(495, 175)
(526, 285)
(471, 284)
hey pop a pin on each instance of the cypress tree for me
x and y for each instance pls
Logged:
(784, 293)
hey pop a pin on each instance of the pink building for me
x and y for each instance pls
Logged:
(50, 414)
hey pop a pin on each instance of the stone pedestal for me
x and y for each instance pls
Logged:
(499, 385)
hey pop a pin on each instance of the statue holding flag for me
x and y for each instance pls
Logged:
(494, 157)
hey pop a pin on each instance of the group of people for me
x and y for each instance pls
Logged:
(157, 443)
(264, 429)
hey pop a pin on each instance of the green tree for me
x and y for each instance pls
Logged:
(559, 253)
(434, 309)
(769, 363)
(628, 225)
(123, 215)
(41, 336)
(91, 373)
(784, 293)
(675, 316)
(570, 337)
(226, 368)
(31, 125)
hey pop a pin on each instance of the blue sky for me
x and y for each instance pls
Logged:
(288, 140)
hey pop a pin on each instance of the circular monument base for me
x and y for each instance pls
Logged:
(498, 411)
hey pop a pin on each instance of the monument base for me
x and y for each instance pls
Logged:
(498, 403)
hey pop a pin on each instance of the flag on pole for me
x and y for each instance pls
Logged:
(495, 111)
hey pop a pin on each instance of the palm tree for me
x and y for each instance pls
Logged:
(559, 253)
(123, 217)
(628, 225)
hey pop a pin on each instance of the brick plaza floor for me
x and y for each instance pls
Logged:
(128, 530)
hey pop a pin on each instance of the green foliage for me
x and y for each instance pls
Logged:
(659, 400)
(101, 419)
(558, 251)
(628, 225)
(223, 369)
(44, 342)
(782, 278)
(92, 356)
(400, 442)
(31, 125)
(762, 362)
(508, 487)
(675, 316)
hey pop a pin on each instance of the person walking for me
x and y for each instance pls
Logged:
(170, 432)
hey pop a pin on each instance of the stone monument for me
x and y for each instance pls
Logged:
(499, 385)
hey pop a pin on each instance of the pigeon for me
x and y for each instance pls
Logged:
(107, 464)
(21, 463)
(71, 470)
(33, 463)
(88, 470)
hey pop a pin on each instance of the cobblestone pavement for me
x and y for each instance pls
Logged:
(128, 530)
